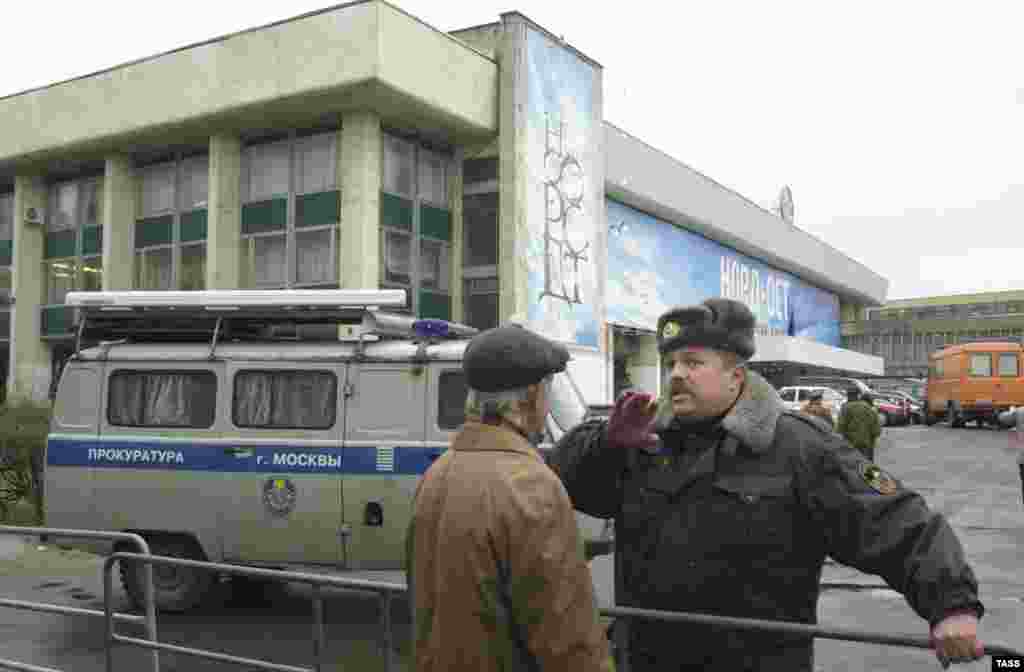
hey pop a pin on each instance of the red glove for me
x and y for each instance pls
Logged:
(955, 639)
(631, 422)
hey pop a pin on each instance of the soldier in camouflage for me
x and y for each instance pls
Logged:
(726, 503)
(859, 424)
(496, 569)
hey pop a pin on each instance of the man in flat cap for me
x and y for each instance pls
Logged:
(497, 575)
(727, 503)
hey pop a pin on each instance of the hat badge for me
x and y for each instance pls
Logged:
(670, 330)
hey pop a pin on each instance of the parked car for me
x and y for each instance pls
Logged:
(795, 397)
(892, 410)
(914, 405)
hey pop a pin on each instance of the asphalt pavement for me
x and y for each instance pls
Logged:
(968, 474)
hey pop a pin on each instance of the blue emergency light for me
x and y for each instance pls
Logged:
(431, 328)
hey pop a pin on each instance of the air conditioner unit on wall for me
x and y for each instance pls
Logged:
(34, 216)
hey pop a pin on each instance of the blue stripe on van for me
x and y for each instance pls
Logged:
(283, 458)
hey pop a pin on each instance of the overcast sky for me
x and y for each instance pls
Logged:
(898, 125)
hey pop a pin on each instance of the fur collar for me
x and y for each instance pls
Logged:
(752, 418)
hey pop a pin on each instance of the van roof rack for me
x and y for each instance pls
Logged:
(238, 315)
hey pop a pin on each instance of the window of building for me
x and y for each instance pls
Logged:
(291, 211)
(73, 249)
(1008, 365)
(980, 365)
(415, 226)
(451, 400)
(170, 234)
(480, 243)
(162, 399)
(285, 399)
(6, 258)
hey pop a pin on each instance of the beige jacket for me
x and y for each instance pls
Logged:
(497, 576)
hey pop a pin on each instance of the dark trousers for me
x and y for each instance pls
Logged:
(1022, 483)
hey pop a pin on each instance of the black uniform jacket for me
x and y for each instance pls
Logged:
(737, 519)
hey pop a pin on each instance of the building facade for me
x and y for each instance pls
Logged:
(359, 147)
(904, 331)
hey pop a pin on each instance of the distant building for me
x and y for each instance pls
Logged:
(904, 331)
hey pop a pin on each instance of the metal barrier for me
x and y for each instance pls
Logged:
(149, 619)
(816, 631)
(386, 592)
(316, 581)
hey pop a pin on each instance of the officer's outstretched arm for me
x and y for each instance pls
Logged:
(590, 469)
(873, 523)
(550, 590)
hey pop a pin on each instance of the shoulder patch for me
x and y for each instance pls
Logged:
(877, 478)
(814, 421)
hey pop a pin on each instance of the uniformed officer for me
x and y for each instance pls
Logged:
(859, 424)
(726, 503)
(815, 408)
(497, 575)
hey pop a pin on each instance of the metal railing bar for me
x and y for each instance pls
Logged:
(69, 611)
(279, 575)
(24, 667)
(993, 649)
(209, 655)
(385, 607)
(318, 629)
(148, 590)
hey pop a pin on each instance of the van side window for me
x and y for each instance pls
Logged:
(788, 395)
(981, 365)
(285, 399)
(162, 399)
(1008, 365)
(451, 399)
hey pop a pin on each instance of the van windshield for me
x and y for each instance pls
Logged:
(568, 407)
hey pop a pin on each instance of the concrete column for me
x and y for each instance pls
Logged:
(29, 364)
(513, 232)
(224, 214)
(120, 195)
(455, 183)
(644, 364)
(359, 179)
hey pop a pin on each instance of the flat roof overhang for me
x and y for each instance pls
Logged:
(650, 180)
(801, 351)
(362, 56)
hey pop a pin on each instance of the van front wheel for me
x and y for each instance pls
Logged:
(176, 589)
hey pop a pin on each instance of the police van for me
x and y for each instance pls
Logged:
(281, 429)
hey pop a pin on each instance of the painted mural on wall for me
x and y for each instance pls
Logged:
(564, 192)
(654, 265)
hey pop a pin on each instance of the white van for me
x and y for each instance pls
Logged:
(218, 433)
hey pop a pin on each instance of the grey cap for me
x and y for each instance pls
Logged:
(509, 357)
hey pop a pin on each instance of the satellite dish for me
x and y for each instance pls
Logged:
(786, 205)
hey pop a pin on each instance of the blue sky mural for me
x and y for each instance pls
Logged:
(654, 265)
(564, 193)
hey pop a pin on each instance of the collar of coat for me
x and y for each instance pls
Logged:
(477, 437)
(751, 420)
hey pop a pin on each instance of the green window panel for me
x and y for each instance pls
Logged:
(58, 320)
(263, 216)
(6, 252)
(317, 209)
(92, 240)
(193, 226)
(435, 306)
(154, 231)
(435, 223)
(395, 212)
(60, 244)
